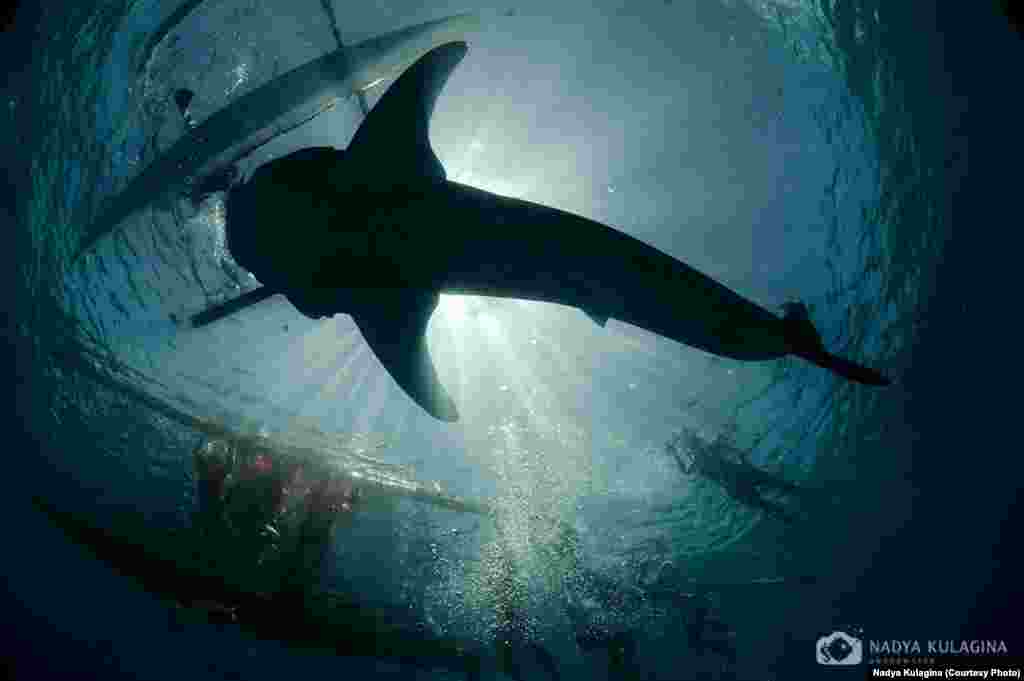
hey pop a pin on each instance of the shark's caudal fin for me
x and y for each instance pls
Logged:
(807, 344)
(394, 324)
(393, 143)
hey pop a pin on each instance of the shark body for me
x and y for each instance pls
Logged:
(378, 231)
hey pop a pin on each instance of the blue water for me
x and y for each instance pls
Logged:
(918, 124)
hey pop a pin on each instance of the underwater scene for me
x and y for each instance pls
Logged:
(577, 340)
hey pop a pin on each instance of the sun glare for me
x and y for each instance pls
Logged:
(453, 310)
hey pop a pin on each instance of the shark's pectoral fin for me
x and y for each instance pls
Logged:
(599, 319)
(395, 327)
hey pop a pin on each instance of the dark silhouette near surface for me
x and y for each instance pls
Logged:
(297, 616)
(725, 464)
(7, 14)
(378, 231)
(1014, 15)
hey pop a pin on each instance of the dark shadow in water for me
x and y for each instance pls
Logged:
(1014, 14)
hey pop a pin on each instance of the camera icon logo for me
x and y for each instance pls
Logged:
(839, 648)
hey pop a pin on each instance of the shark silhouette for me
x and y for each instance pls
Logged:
(378, 231)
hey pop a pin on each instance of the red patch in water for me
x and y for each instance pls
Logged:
(262, 463)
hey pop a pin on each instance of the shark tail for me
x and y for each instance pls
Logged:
(807, 344)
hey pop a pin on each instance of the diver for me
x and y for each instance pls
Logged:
(255, 499)
(261, 516)
(240, 496)
(323, 505)
(729, 467)
(212, 461)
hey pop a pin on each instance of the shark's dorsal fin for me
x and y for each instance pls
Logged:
(394, 140)
(394, 325)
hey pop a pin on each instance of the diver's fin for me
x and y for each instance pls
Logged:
(394, 325)
(807, 344)
(394, 139)
(599, 319)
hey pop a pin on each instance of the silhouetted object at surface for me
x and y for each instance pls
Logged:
(1014, 14)
(260, 512)
(301, 617)
(7, 15)
(726, 465)
(243, 562)
(378, 231)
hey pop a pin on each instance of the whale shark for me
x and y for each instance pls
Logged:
(378, 231)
